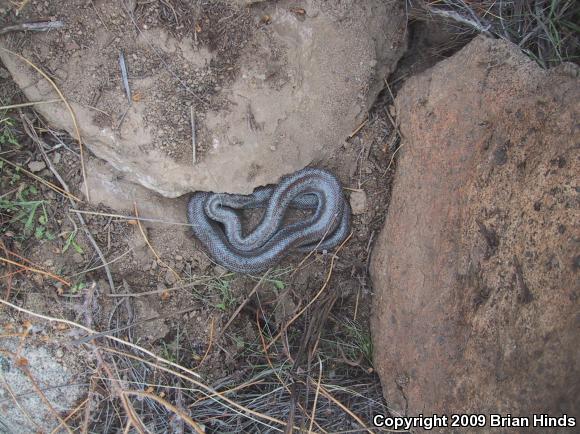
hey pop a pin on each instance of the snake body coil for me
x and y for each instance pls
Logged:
(216, 223)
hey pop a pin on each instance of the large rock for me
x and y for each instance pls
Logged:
(476, 270)
(274, 86)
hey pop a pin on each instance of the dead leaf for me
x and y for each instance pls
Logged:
(298, 11)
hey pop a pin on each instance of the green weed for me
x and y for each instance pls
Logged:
(227, 299)
(71, 241)
(7, 133)
(29, 215)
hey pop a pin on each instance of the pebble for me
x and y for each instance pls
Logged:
(219, 270)
(78, 258)
(59, 353)
(56, 158)
(358, 202)
(71, 46)
(170, 277)
(36, 166)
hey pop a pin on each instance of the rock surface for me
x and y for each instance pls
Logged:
(476, 269)
(37, 361)
(280, 89)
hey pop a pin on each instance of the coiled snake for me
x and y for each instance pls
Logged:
(216, 223)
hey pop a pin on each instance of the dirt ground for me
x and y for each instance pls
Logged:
(167, 295)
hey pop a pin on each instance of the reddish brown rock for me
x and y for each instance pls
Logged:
(476, 270)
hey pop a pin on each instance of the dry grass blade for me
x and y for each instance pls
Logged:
(91, 337)
(193, 141)
(209, 345)
(41, 26)
(35, 270)
(318, 294)
(130, 218)
(22, 409)
(194, 425)
(44, 399)
(112, 261)
(125, 402)
(242, 304)
(69, 108)
(547, 31)
(357, 129)
(345, 408)
(70, 415)
(42, 181)
(313, 416)
(28, 104)
(275, 371)
(392, 159)
(207, 390)
(91, 331)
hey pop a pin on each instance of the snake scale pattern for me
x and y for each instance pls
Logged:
(216, 222)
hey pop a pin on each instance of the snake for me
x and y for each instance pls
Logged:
(215, 219)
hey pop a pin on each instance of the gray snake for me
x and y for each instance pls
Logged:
(217, 225)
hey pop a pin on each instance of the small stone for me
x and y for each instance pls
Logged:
(56, 158)
(178, 258)
(59, 353)
(36, 166)
(71, 46)
(358, 202)
(170, 277)
(219, 270)
(78, 258)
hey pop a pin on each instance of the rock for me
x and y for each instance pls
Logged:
(36, 166)
(170, 277)
(290, 90)
(358, 202)
(476, 270)
(49, 368)
(108, 187)
(78, 258)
